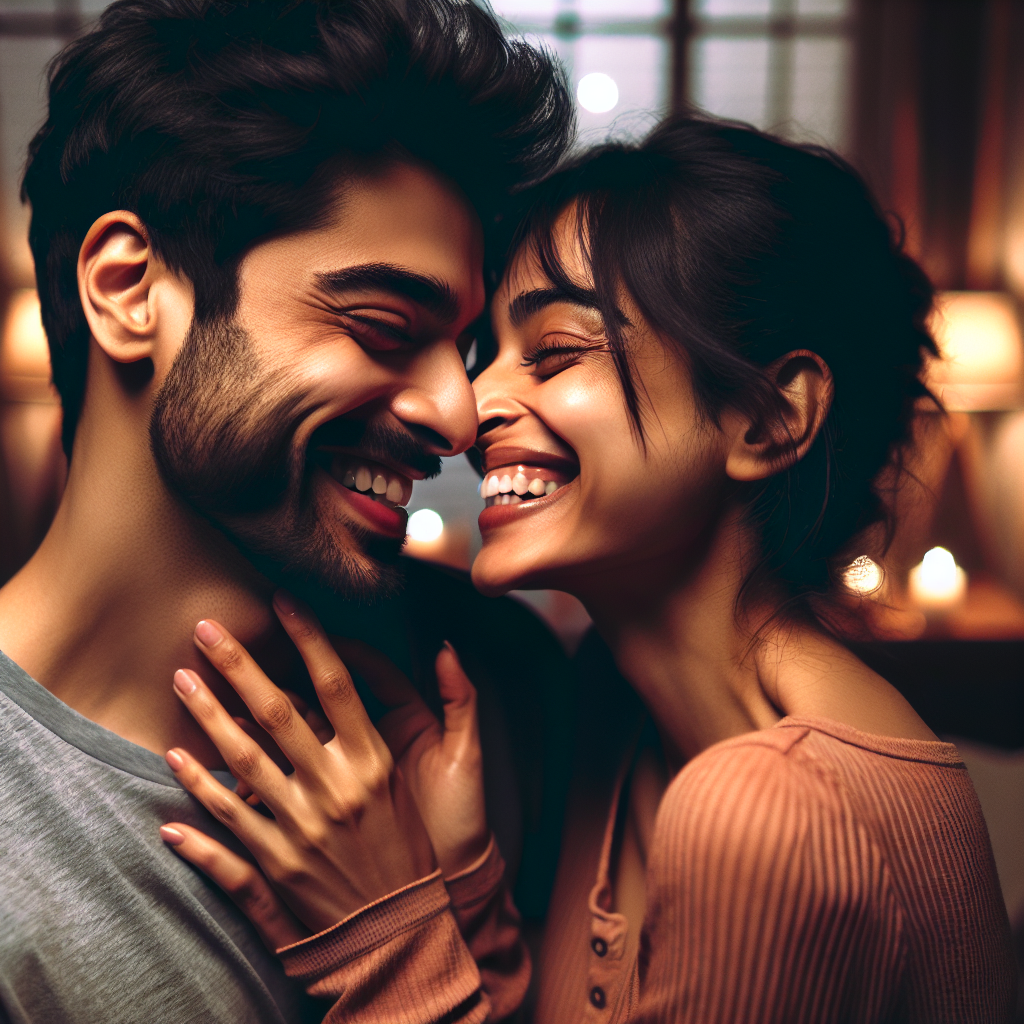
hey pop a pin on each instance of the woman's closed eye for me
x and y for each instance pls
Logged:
(546, 360)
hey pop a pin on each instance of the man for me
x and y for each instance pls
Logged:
(259, 233)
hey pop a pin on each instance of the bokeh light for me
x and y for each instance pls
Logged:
(425, 525)
(938, 582)
(597, 92)
(863, 576)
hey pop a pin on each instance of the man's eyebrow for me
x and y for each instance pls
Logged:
(433, 295)
(524, 305)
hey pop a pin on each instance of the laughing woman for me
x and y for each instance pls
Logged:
(708, 350)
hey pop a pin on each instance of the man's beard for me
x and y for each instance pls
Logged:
(222, 433)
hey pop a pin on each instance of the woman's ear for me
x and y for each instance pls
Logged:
(116, 272)
(759, 448)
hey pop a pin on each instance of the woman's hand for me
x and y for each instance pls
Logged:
(345, 830)
(440, 769)
(441, 763)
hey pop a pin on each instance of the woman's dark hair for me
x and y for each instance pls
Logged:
(220, 122)
(737, 248)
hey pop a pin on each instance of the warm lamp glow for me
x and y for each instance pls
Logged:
(24, 356)
(23, 351)
(425, 525)
(982, 365)
(863, 576)
(938, 583)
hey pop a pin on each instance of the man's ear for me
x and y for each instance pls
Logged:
(759, 449)
(116, 272)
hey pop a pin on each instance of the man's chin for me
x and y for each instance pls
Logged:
(342, 557)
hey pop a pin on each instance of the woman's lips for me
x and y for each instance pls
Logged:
(511, 485)
(497, 514)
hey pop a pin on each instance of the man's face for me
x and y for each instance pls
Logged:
(300, 425)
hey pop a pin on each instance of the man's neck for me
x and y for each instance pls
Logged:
(104, 612)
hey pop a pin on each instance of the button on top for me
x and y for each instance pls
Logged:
(599, 946)
(597, 997)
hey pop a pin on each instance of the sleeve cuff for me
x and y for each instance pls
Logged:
(367, 929)
(479, 881)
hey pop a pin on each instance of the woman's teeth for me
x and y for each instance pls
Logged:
(512, 486)
(375, 481)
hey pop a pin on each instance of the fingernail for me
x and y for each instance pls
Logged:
(184, 683)
(171, 836)
(447, 644)
(285, 602)
(175, 760)
(209, 635)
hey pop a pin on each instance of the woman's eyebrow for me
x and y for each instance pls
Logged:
(526, 304)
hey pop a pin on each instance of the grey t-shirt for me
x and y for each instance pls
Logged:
(100, 922)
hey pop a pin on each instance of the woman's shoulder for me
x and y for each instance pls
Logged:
(774, 789)
(799, 752)
(726, 794)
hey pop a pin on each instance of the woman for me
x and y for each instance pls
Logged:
(708, 349)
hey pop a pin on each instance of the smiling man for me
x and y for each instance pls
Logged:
(259, 232)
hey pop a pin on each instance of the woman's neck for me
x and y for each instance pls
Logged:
(676, 638)
(708, 668)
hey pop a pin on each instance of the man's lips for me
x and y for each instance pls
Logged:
(374, 515)
(343, 457)
(375, 491)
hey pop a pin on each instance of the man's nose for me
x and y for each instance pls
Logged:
(437, 404)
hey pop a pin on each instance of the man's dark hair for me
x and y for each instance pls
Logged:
(221, 122)
(737, 248)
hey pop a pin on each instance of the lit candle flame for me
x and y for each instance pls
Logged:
(938, 583)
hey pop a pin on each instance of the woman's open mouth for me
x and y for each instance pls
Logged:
(518, 481)
(513, 485)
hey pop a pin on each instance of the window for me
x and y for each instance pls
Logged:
(783, 65)
(617, 54)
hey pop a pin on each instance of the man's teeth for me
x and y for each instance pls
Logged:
(506, 488)
(377, 483)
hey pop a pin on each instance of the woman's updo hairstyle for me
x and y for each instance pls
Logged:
(738, 248)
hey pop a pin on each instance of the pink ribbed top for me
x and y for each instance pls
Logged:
(808, 872)
(804, 873)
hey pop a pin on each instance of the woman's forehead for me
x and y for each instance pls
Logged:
(563, 241)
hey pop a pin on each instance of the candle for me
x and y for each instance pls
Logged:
(938, 583)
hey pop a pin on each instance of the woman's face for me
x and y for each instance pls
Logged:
(574, 501)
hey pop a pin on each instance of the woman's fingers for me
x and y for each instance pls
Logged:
(244, 757)
(271, 709)
(457, 693)
(228, 808)
(313, 717)
(333, 682)
(409, 718)
(243, 882)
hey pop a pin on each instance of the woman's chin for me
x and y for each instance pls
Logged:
(494, 574)
(489, 582)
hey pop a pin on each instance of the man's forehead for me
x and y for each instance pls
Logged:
(408, 217)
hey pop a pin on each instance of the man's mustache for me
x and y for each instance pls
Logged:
(378, 441)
